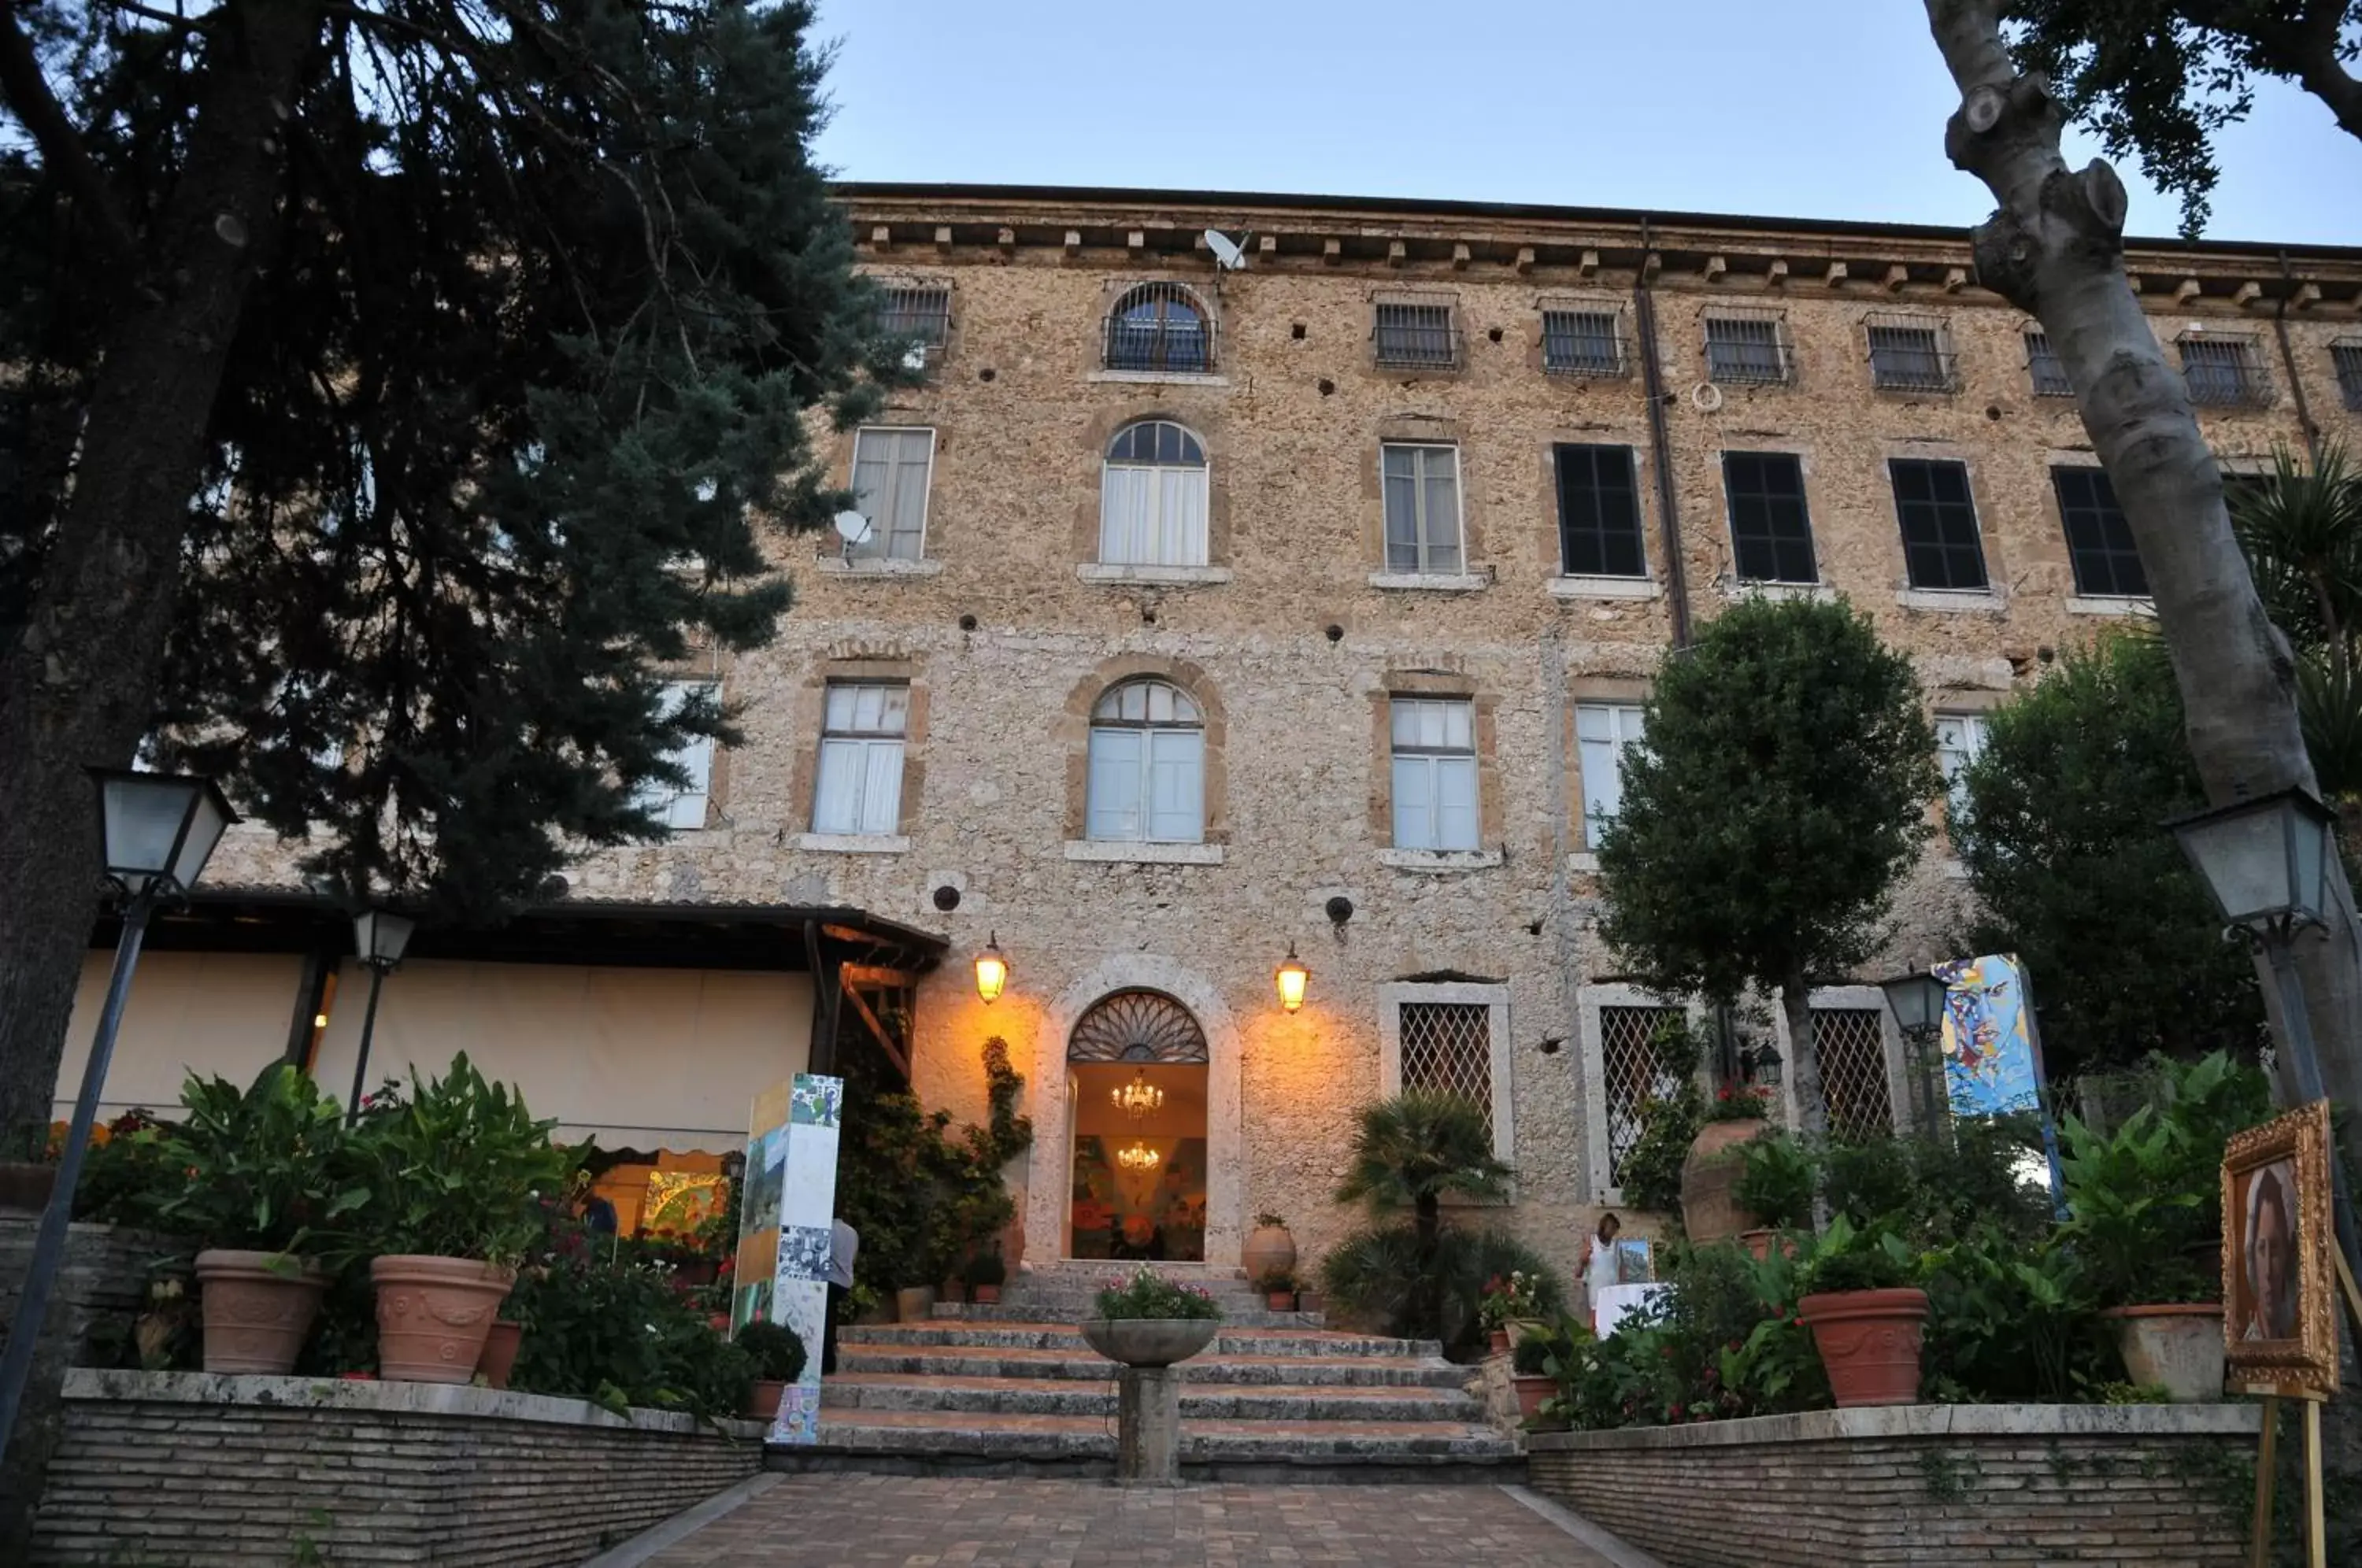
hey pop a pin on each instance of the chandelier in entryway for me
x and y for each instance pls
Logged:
(1138, 1099)
(1139, 1157)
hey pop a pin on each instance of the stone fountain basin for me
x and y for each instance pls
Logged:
(1150, 1341)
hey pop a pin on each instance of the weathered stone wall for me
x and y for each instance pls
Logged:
(209, 1472)
(1932, 1486)
(1004, 642)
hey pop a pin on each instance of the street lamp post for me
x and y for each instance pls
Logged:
(380, 939)
(1916, 998)
(2267, 862)
(159, 830)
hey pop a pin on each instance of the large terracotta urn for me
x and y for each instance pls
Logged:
(258, 1307)
(1870, 1342)
(1709, 1213)
(1270, 1250)
(433, 1315)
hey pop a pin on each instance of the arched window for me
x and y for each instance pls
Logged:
(1153, 497)
(1160, 326)
(1148, 765)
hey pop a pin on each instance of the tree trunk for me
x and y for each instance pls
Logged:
(1804, 1058)
(78, 689)
(2055, 249)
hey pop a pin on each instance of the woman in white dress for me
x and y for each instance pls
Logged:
(1601, 1272)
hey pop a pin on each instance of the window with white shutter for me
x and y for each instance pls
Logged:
(862, 732)
(1423, 491)
(1602, 731)
(1434, 773)
(1153, 497)
(890, 467)
(1147, 775)
(683, 806)
(1959, 738)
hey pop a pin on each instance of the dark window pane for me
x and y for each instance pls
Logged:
(1769, 531)
(2346, 357)
(2099, 541)
(2042, 364)
(1599, 512)
(1581, 343)
(1417, 335)
(1939, 524)
(1910, 358)
(1744, 350)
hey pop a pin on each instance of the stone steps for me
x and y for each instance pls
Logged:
(1086, 1366)
(1233, 1340)
(868, 1391)
(957, 1432)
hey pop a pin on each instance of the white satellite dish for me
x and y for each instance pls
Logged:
(1228, 254)
(851, 526)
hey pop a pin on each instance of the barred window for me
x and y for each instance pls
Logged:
(2345, 358)
(1160, 326)
(2099, 546)
(1448, 1047)
(1581, 343)
(1909, 356)
(2042, 367)
(1418, 335)
(919, 313)
(1940, 549)
(1745, 350)
(2222, 372)
(1627, 1052)
(1852, 1044)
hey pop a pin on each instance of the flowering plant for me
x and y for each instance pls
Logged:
(1739, 1102)
(1513, 1297)
(1147, 1294)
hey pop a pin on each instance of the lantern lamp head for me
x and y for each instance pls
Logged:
(1917, 999)
(1292, 977)
(158, 829)
(2266, 860)
(991, 970)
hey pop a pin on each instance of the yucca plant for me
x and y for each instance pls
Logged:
(1410, 1151)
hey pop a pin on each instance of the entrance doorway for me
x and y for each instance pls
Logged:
(1136, 1087)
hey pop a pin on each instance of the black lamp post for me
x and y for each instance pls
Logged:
(159, 830)
(380, 939)
(2267, 862)
(1917, 999)
(1761, 1064)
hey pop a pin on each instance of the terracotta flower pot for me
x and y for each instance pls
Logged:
(1270, 1250)
(500, 1353)
(1280, 1301)
(985, 1295)
(433, 1315)
(1869, 1342)
(26, 1186)
(1309, 1302)
(914, 1303)
(763, 1405)
(257, 1316)
(1150, 1341)
(1497, 1342)
(1758, 1243)
(1709, 1211)
(2178, 1348)
(1534, 1390)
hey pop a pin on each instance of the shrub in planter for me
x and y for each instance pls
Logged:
(985, 1273)
(455, 1175)
(1866, 1316)
(1529, 1365)
(1145, 1320)
(778, 1353)
(1776, 1180)
(1279, 1287)
(621, 1331)
(257, 1180)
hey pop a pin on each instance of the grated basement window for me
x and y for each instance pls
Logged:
(1448, 1047)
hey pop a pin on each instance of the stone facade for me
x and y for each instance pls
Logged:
(1933, 1485)
(218, 1471)
(1295, 639)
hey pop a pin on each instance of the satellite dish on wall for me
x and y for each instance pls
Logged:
(851, 526)
(1229, 254)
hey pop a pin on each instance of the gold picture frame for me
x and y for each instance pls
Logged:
(2279, 1296)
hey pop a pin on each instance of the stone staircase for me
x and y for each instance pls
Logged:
(1013, 1388)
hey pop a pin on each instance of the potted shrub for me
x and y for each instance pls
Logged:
(1866, 1316)
(258, 1178)
(779, 1354)
(1775, 1184)
(1269, 1247)
(1148, 1320)
(454, 1174)
(1279, 1287)
(1710, 1209)
(1493, 1313)
(1529, 1372)
(986, 1272)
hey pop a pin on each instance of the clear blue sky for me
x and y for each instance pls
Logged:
(1812, 108)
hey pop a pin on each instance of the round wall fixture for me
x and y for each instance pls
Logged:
(1335, 633)
(967, 622)
(1339, 909)
(948, 898)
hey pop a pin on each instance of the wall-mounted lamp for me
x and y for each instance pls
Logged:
(991, 970)
(1292, 976)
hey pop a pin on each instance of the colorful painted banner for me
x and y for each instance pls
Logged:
(1988, 1057)
(807, 1218)
(758, 1208)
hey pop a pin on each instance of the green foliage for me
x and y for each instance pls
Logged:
(2073, 875)
(262, 1170)
(457, 1167)
(2303, 534)
(1514, 1297)
(1276, 1281)
(2010, 1321)
(1530, 1356)
(985, 1266)
(618, 1331)
(1411, 1151)
(1775, 1180)
(777, 1350)
(126, 1173)
(1669, 1114)
(1391, 1279)
(1147, 1294)
(1931, 1190)
(1846, 1260)
(2145, 1202)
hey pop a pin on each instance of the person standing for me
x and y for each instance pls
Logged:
(1601, 1272)
(845, 1243)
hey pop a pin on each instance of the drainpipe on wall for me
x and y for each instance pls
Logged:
(2287, 361)
(1653, 381)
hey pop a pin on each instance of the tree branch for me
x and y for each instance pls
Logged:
(26, 91)
(165, 18)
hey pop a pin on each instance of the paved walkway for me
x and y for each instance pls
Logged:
(821, 1520)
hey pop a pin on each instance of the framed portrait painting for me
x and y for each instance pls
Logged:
(2278, 1295)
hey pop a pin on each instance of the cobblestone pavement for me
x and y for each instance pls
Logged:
(817, 1522)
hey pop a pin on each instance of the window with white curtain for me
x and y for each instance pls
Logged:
(1422, 486)
(1434, 772)
(1602, 730)
(682, 806)
(890, 465)
(1153, 497)
(862, 730)
(1147, 779)
(1959, 738)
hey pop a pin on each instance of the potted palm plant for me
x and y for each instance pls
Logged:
(1865, 1314)
(986, 1272)
(454, 1174)
(258, 1181)
(779, 1354)
(1411, 1152)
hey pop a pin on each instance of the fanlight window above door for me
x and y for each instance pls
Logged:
(1137, 1026)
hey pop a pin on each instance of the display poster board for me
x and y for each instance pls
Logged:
(807, 1215)
(1990, 1067)
(758, 1209)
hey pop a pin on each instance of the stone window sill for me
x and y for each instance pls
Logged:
(1127, 852)
(1583, 860)
(1817, 592)
(853, 843)
(1433, 582)
(1101, 571)
(1159, 378)
(2079, 605)
(1439, 859)
(877, 567)
(1606, 588)
(1952, 601)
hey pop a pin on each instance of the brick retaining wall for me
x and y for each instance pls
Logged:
(1928, 1486)
(209, 1472)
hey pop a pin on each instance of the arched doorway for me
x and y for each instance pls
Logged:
(1136, 1093)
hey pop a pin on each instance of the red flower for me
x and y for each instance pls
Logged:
(1675, 1412)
